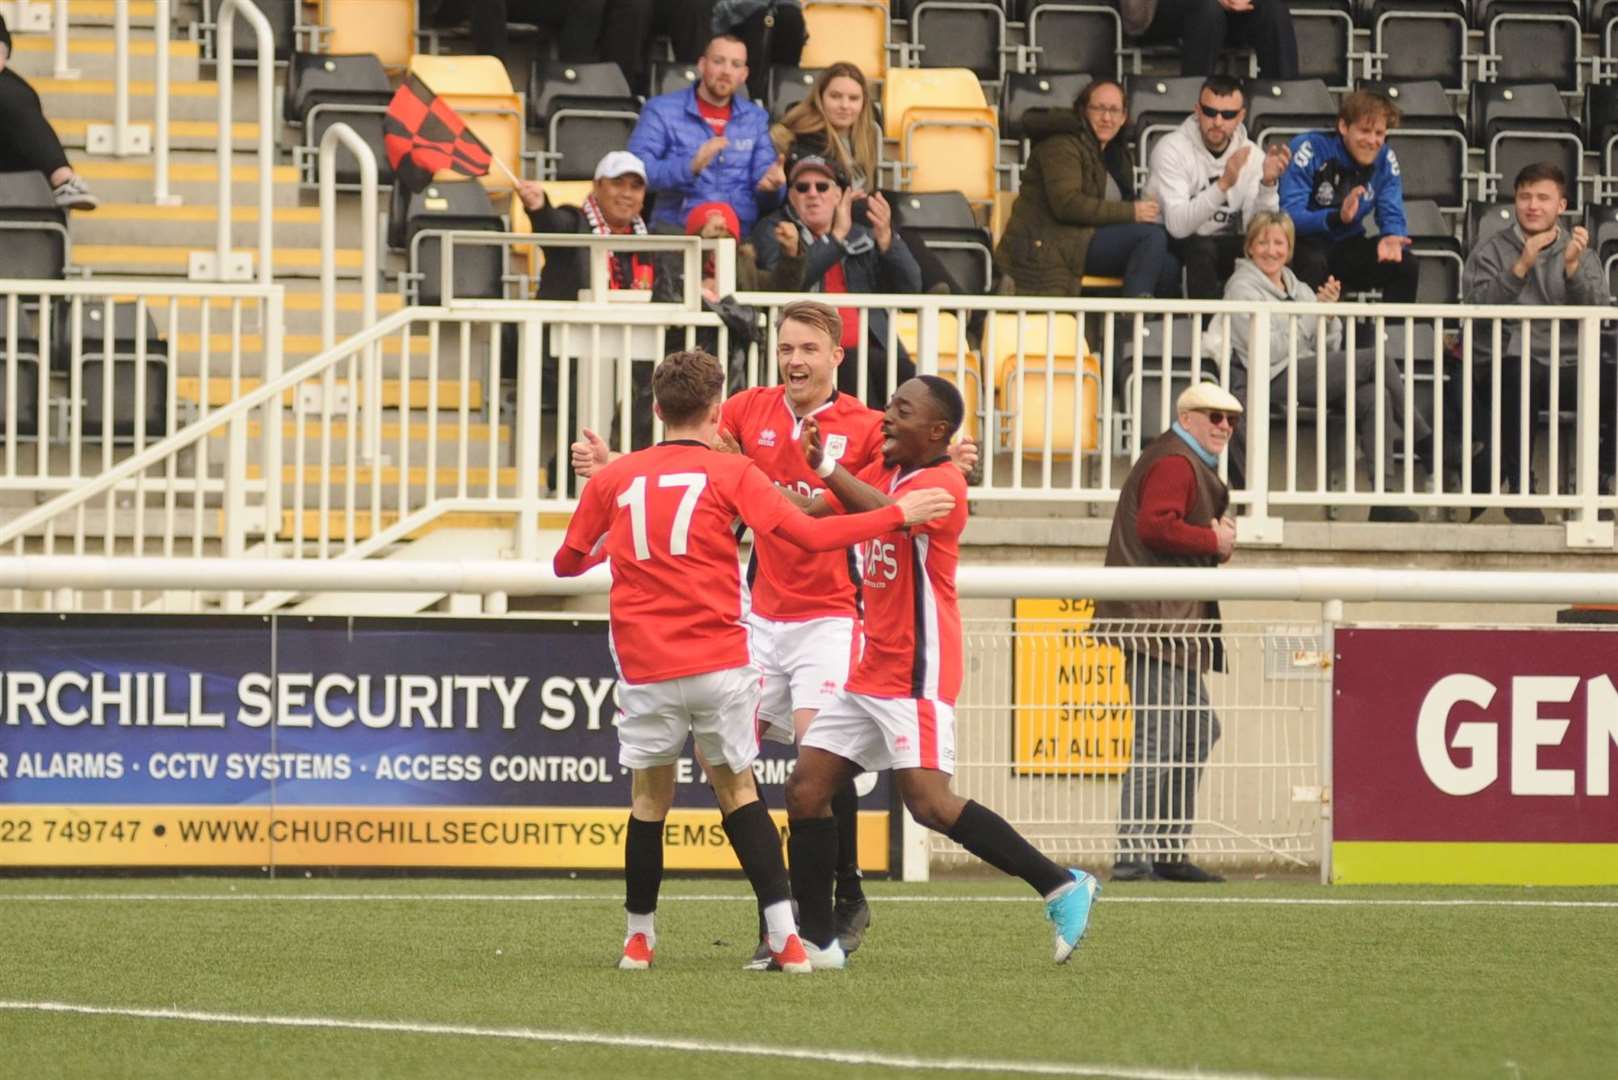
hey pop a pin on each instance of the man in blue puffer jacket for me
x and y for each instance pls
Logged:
(1336, 179)
(703, 144)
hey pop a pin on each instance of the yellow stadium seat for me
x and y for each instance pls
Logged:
(932, 88)
(384, 27)
(1047, 346)
(479, 89)
(951, 150)
(964, 369)
(852, 30)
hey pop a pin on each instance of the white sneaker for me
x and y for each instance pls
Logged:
(72, 194)
(831, 958)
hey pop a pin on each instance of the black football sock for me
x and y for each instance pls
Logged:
(758, 848)
(643, 865)
(812, 850)
(845, 807)
(991, 838)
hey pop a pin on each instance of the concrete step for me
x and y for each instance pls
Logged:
(183, 134)
(449, 432)
(164, 261)
(91, 52)
(195, 225)
(195, 181)
(189, 99)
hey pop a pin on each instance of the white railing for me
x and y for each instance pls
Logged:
(225, 266)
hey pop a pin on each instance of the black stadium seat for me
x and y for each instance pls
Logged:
(1521, 124)
(1483, 220)
(960, 34)
(443, 205)
(33, 228)
(669, 76)
(1024, 90)
(788, 86)
(137, 355)
(1289, 108)
(1437, 253)
(1158, 104)
(1416, 40)
(1532, 41)
(323, 90)
(1325, 33)
(1601, 136)
(27, 407)
(283, 19)
(946, 222)
(1087, 37)
(1430, 143)
(585, 111)
(1604, 238)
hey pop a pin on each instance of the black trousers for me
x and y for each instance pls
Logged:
(1512, 412)
(1354, 264)
(1209, 261)
(632, 24)
(576, 24)
(1203, 28)
(29, 143)
(773, 36)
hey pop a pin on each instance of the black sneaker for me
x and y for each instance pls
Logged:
(1398, 514)
(1525, 515)
(1186, 871)
(761, 957)
(1132, 870)
(851, 918)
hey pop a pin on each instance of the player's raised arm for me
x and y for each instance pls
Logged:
(766, 510)
(856, 495)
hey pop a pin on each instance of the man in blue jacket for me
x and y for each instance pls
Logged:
(704, 144)
(1337, 179)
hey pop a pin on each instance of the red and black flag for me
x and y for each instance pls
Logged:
(423, 135)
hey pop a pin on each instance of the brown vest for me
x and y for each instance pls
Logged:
(1202, 648)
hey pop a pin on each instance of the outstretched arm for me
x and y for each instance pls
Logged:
(856, 495)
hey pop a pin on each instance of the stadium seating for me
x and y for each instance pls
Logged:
(1024, 90)
(37, 244)
(946, 222)
(282, 16)
(852, 30)
(1436, 251)
(447, 204)
(1289, 108)
(386, 28)
(1430, 143)
(1147, 370)
(1158, 105)
(1417, 40)
(1484, 219)
(1054, 367)
(120, 345)
(1532, 41)
(26, 410)
(1604, 241)
(1325, 33)
(957, 361)
(788, 86)
(1065, 37)
(1604, 21)
(479, 89)
(323, 90)
(948, 135)
(1521, 124)
(585, 110)
(959, 34)
(1601, 136)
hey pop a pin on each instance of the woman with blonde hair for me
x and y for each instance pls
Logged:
(837, 121)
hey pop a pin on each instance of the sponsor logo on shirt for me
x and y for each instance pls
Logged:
(901, 742)
(829, 686)
(766, 437)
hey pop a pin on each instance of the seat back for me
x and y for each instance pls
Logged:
(790, 85)
(958, 362)
(1068, 387)
(1483, 220)
(384, 27)
(554, 85)
(960, 34)
(579, 139)
(952, 150)
(1076, 37)
(1292, 106)
(479, 89)
(1533, 40)
(1433, 164)
(932, 88)
(1325, 33)
(1159, 104)
(852, 30)
(1420, 39)
(1024, 90)
(282, 16)
(33, 230)
(127, 374)
(354, 77)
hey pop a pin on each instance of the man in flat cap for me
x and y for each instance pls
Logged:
(1171, 512)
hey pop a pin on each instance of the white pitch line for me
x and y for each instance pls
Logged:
(643, 1042)
(535, 898)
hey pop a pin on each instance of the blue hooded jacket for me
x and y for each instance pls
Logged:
(1321, 175)
(668, 136)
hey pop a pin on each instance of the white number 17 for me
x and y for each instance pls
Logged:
(634, 497)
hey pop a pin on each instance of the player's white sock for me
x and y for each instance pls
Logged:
(779, 923)
(642, 924)
(1060, 890)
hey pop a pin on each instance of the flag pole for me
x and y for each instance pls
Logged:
(502, 166)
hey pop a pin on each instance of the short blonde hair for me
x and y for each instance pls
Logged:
(1271, 219)
(813, 313)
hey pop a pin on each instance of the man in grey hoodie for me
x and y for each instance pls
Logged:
(1210, 178)
(1535, 262)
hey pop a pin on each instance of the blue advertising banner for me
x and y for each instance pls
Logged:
(151, 740)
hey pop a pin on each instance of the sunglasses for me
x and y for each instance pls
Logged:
(1219, 417)
(1224, 114)
(804, 187)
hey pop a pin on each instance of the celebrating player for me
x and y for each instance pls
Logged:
(805, 608)
(663, 517)
(898, 709)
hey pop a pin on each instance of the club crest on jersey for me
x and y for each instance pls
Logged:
(1325, 192)
(766, 437)
(835, 446)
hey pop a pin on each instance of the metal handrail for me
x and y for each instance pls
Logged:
(224, 58)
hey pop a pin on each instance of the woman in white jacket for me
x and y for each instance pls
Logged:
(1264, 275)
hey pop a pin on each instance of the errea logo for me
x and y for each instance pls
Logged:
(766, 437)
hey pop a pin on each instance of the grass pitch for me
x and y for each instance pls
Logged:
(435, 978)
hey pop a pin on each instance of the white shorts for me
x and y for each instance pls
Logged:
(886, 733)
(715, 708)
(804, 665)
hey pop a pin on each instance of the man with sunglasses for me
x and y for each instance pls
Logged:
(1210, 178)
(1171, 512)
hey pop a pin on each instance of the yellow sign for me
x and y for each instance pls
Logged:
(482, 837)
(1071, 714)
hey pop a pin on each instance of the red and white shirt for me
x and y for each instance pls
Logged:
(788, 583)
(912, 615)
(662, 516)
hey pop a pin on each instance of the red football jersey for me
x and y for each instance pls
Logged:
(790, 584)
(665, 514)
(912, 616)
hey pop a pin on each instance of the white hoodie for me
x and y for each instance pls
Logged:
(1185, 180)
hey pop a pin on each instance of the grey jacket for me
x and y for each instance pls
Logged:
(1247, 282)
(1488, 279)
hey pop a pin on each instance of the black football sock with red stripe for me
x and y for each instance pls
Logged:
(643, 865)
(758, 848)
(991, 838)
(845, 807)
(812, 852)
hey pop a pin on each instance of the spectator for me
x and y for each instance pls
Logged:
(705, 144)
(1335, 180)
(1204, 27)
(1537, 263)
(773, 31)
(1209, 177)
(843, 257)
(576, 24)
(714, 221)
(1263, 276)
(837, 121)
(30, 143)
(688, 24)
(1076, 213)
(1171, 513)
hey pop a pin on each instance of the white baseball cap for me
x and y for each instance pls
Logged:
(617, 163)
(1207, 395)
